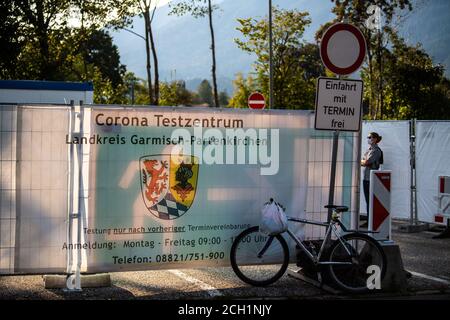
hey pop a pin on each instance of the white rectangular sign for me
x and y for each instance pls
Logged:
(338, 104)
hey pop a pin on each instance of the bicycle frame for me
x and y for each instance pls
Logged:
(343, 256)
(330, 228)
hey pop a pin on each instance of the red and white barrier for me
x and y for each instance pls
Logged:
(443, 200)
(380, 204)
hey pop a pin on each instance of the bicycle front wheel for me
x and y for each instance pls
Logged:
(361, 257)
(259, 259)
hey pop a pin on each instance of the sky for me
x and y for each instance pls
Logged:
(162, 2)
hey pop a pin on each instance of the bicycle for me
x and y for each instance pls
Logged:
(255, 257)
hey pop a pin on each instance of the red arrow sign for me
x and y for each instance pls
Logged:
(256, 101)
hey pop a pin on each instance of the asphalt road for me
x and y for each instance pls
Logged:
(421, 253)
(428, 259)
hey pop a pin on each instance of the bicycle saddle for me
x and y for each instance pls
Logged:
(337, 208)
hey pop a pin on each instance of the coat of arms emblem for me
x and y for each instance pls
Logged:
(168, 184)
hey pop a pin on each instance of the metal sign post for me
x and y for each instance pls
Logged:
(333, 172)
(338, 108)
(338, 101)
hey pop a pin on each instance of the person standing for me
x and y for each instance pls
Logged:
(371, 160)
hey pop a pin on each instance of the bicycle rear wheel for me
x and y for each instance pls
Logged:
(365, 256)
(258, 259)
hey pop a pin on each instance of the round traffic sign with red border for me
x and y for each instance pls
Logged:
(256, 101)
(343, 48)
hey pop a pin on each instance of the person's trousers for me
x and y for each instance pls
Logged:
(366, 185)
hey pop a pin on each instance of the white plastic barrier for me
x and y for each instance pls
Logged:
(380, 204)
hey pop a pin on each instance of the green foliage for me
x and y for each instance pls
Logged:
(242, 90)
(137, 87)
(400, 81)
(412, 86)
(102, 53)
(104, 91)
(174, 94)
(204, 91)
(42, 45)
(41, 24)
(223, 99)
(11, 44)
(96, 60)
(197, 8)
(296, 64)
(356, 12)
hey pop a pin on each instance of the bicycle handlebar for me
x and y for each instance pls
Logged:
(336, 208)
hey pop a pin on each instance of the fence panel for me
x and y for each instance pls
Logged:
(33, 185)
(395, 145)
(432, 158)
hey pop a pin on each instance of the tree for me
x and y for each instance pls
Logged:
(175, 93)
(104, 57)
(205, 92)
(357, 12)
(45, 22)
(296, 63)
(147, 9)
(137, 89)
(201, 8)
(223, 98)
(102, 53)
(98, 60)
(44, 46)
(39, 18)
(413, 87)
(242, 90)
(12, 45)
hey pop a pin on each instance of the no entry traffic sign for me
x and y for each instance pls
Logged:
(338, 104)
(343, 48)
(256, 101)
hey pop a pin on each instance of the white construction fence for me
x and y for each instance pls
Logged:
(417, 153)
(97, 189)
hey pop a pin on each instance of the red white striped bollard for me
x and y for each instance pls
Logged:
(380, 204)
(443, 200)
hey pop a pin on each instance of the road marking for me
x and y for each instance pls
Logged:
(213, 292)
(431, 232)
(421, 275)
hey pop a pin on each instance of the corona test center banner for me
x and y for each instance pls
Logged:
(175, 187)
